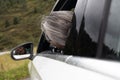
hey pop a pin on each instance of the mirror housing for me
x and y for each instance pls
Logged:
(23, 51)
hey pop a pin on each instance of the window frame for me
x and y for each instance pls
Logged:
(103, 28)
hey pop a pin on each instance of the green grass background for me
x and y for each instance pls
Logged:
(13, 70)
(28, 27)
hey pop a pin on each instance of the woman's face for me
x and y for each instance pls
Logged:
(20, 50)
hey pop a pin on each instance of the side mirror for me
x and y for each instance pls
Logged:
(23, 51)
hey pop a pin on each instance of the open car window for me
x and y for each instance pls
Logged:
(60, 5)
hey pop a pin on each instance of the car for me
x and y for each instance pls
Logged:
(92, 50)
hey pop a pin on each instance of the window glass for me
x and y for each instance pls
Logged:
(87, 39)
(111, 47)
(93, 17)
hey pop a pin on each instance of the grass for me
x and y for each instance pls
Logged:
(13, 70)
(27, 29)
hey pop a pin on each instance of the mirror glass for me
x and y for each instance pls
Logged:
(22, 51)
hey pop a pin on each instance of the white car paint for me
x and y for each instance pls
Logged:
(21, 56)
(42, 68)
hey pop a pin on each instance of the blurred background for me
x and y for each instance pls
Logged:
(19, 23)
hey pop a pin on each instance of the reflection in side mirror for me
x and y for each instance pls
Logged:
(23, 51)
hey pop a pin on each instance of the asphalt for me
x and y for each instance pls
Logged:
(6, 52)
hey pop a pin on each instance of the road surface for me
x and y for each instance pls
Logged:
(6, 52)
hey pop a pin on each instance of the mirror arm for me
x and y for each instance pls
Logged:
(32, 57)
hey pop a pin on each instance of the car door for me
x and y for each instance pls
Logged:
(50, 66)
